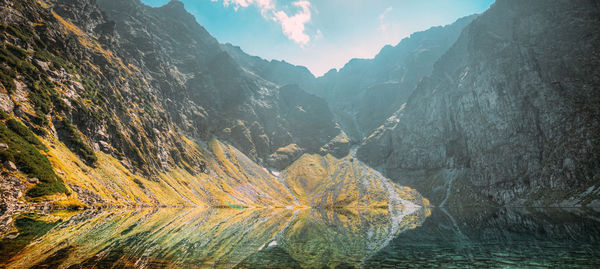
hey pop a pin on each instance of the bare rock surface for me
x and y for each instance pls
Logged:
(510, 113)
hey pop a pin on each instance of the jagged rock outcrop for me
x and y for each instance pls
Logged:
(509, 115)
(281, 73)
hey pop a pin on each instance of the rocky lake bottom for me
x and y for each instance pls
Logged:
(305, 238)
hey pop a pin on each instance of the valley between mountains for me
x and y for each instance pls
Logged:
(112, 103)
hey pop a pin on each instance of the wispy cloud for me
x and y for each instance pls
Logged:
(383, 26)
(293, 26)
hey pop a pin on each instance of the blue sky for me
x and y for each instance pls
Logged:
(322, 34)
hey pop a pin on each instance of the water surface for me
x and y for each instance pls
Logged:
(282, 238)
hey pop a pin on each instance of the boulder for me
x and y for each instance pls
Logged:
(10, 166)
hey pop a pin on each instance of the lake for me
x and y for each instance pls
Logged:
(305, 238)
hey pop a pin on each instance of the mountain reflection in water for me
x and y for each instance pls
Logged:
(200, 238)
(305, 238)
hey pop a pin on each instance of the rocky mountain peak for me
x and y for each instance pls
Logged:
(500, 107)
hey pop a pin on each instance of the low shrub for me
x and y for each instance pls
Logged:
(72, 138)
(24, 150)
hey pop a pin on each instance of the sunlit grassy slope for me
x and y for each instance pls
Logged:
(325, 181)
(231, 180)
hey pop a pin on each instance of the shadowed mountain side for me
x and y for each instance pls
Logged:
(207, 89)
(279, 72)
(509, 115)
(365, 92)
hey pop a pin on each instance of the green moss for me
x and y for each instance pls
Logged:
(9, 58)
(73, 140)
(6, 78)
(59, 104)
(42, 103)
(57, 62)
(3, 115)
(14, 31)
(17, 52)
(24, 133)
(47, 188)
(16, 59)
(24, 151)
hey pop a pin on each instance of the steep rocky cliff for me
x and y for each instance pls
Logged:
(509, 115)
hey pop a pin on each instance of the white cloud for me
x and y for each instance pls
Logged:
(383, 26)
(292, 26)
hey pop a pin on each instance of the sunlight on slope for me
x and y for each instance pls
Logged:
(325, 181)
(231, 180)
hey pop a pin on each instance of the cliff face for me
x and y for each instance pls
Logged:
(510, 113)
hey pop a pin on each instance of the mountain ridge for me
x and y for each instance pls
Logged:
(124, 104)
(130, 112)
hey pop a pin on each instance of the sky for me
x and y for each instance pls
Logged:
(322, 34)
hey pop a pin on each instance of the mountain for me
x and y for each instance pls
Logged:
(206, 90)
(88, 128)
(509, 115)
(365, 92)
(113, 103)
